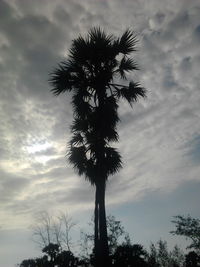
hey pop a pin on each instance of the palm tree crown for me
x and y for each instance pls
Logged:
(94, 65)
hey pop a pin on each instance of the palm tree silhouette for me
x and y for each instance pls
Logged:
(91, 72)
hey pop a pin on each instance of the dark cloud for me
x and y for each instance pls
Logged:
(194, 150)
(11, 186)
(197, 32)
(82, 194)
(6, 12)
(34, 46)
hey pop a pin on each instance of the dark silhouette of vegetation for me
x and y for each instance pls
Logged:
(125, 254)
(116, 233)
(91, 73)
(122, 253)
(129, 255)
(160, 256)
(188, 227)
(54, 257)
(192, 259)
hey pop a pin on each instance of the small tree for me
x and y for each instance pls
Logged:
(52, 250)
(153, 257)
(163, 254)
(116, 236)
(53, 230)
(190, 228)
(54, 257)
(160, 256)
(176, 257)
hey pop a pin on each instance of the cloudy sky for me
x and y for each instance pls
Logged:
(159, 137)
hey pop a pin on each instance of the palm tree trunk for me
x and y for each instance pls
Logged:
(96, 228)
(101, 238)
(103, 225)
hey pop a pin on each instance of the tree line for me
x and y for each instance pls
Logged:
(53, 235)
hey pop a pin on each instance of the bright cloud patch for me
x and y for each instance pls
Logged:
(38, 147)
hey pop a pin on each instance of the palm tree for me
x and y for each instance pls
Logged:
(91, 72)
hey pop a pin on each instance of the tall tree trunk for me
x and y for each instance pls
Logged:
(103, 225)
(101, 238)
(101, 243)
(96, 228)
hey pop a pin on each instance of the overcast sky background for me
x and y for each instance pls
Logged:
(159, 137)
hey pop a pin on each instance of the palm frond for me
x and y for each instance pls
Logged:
(99, 37)
(132, 92)
(77, 157)
(127, 42)
(127, 65)
(77, 139)
(82, 108)
(111, 135)
(91, 171)
(61, 79)
(80, 50)
(136, 90)
(101, 125)
(112, 160)
(79, 125)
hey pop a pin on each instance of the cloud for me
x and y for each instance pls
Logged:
(11, 187)
(194, 150)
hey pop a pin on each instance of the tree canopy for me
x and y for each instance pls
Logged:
(188, 227)
(94, 65)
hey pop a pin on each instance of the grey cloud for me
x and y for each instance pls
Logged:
(159, 18)
(194, 150)
(53, 196)
(169, 79)
(81, 195)
(180, 24)
(32, 52)
(47, 152)
(58, 162)
(197, 33)
(186, 64)
(11, 186)
(56, 173)
(6, 12)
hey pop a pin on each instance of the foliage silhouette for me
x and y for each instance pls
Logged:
(91, 72)
(192, 259)
(160, 256)
(55, 257)
(130, 256)
(122, 253)
(188, 227)
(116, 234)
(52, 250)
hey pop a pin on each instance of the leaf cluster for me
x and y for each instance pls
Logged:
(94, 64)
(188, 227)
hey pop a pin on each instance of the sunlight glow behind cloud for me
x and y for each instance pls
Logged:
(37, 147)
